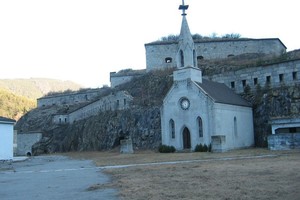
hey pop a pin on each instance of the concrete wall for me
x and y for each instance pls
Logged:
(284, 141)
(6, 141)
(285, 73)
(26, 141)
(158, 52)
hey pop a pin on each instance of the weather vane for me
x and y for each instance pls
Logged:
(183, 7)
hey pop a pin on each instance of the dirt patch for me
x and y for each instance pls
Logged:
(275, 177)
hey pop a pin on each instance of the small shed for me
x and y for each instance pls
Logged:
(6, 138)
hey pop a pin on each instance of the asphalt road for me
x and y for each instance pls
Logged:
(54, 177)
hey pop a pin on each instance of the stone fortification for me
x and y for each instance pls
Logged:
(163, 54)
(116, 101)
(71, 98)
(124, 76)
(273, 75)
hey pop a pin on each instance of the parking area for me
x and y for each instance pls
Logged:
(54, 177)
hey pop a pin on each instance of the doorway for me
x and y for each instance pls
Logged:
(186, 138)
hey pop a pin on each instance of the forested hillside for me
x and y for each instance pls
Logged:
(14, 106)
(34, 88)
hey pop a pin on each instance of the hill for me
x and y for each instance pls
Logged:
(34, 88)
(14, 106)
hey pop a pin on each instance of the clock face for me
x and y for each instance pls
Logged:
(184, 103)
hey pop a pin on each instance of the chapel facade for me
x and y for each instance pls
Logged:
(198, 111)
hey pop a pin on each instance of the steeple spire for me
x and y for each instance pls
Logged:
(186, 56)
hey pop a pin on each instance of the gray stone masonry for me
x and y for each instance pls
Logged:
(116, 101)
(284, 141)
(285, 73)
(71, 98)
(163, 54)
(26, 141)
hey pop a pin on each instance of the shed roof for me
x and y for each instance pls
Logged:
(220, 93)
(6, 120)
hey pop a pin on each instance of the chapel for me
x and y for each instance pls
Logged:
(199, 111)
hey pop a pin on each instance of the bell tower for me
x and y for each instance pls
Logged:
(186, 55)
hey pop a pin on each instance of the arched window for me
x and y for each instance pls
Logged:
(235, 126)
(181, 59)
(168, 60)
(172, 128)
(200, 126)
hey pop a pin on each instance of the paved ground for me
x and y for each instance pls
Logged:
(53, 177)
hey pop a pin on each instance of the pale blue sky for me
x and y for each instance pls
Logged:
(84, 40)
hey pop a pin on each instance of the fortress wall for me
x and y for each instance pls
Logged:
(224, 49)
(118, 101)
(285, 73)
(157, 53)
(68, 98)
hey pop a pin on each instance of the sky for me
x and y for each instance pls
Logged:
(84, 40)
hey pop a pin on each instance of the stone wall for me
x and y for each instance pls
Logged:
(275, 75)
(163, 54)
(124, 77)
(26, 141)
(71, 98)
(284, 141)
(117, 101)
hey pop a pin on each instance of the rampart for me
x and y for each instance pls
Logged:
(116, 101)
(274, 75)
(123, 76)
(70, 98)
(163, 54)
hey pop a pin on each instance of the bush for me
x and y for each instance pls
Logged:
(199, 148)
(166, 149)
(202, 148)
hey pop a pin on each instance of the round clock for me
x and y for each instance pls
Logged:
(184, 103)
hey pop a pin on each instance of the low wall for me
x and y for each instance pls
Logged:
(25, 143)
(284, 141)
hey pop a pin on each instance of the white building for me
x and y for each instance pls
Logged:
(198, 111)
(6, 138)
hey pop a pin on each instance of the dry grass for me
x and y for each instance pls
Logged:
(274, 177)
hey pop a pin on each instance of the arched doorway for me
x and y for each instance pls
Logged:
(186, 138)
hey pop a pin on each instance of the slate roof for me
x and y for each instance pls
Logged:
(6, 120)
(220, 93)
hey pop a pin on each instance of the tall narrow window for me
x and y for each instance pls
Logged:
(200, 127)
(194, 58)
(124, 102)
(232, 85)
(172, 128)
(281, 78)
(295, 76)
(244, 82)
(255, 81)
(268, 79)
(181, 59)
(235, 126)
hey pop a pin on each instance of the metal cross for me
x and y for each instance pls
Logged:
(183, 7)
